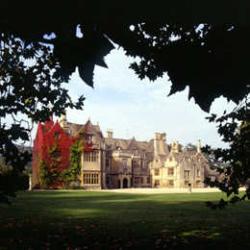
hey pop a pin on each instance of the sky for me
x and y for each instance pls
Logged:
(132, 107)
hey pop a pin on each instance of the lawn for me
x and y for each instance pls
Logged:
(103, 220)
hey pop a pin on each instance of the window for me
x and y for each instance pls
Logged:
(171, 183)
(198, 172)
(157, 183)
(108, 180)
(133, 163)
(186, 174)
(124, 163)
(91, 156)
(171, 171)
(148, 180)
(142, 163)
(157, 172)
(137, 180)
(91, 178)
(88, 139)
(198, 183)
(107, 162)
(86, 156)
(124, 166)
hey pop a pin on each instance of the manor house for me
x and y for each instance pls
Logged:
(124, 163)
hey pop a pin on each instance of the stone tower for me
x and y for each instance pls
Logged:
(160, 147)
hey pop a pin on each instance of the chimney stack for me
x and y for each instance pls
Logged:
(109, 134)
(175, 148)
(160, 147)
(199, 146)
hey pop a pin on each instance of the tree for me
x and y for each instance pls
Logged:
(10, 181)
(191, 147)
(234, 161)
(31, 79)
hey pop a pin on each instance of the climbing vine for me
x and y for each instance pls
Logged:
(72, 173)
(50, 174)
(49, 171)
(45, 179)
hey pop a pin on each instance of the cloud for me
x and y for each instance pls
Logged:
(131, 107)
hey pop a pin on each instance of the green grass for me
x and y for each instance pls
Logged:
(103, 220)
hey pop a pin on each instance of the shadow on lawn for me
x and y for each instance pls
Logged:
(93, 220)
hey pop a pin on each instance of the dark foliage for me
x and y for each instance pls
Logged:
(233, 163)
(10, 181)
(30, 78)
(211, 59)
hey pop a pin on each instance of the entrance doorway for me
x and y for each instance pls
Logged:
(125, 183)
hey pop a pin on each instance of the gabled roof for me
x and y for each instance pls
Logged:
(132, 144)
(74, 128)
(188, 157)
(129, 144)
(87, 128)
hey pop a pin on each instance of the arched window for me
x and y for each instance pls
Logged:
(198, 172)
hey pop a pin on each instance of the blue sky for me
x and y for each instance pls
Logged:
(132, 107)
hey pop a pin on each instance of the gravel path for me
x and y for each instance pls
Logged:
(161, 190)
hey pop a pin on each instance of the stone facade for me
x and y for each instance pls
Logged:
(125, 163)
(179, 168)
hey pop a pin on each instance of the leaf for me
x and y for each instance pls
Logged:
(86, 72)
(176, 87)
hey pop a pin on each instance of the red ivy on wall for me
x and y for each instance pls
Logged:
(51, 143)
(52, 146)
